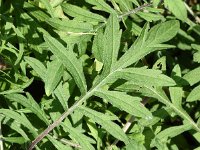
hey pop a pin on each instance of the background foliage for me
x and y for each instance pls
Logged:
(95, 74)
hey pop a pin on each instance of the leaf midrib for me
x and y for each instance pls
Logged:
(177, 110)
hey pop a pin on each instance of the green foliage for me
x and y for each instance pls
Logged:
(99, 74)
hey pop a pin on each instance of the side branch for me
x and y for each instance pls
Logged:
(135, 10)
(58, 121)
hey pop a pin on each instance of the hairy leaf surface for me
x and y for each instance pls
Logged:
(69, 60)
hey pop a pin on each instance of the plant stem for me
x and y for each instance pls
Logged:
(135, 10)
(70, 110)
(192, 13)
(59, 120)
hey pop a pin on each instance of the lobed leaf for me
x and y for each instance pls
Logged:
(130, 104)
(69, 60)
(13, 124)
(19, 118)
(105, 122)
(146, 41)
(29, 103)
(172, 132)
(78, 136)
(39, 68)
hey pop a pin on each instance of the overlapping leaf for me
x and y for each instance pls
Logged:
(58, 144)
(20, 119)
(111, 43)
(53, 76)
(105, 122)
(38, 66)
(69, 60)
(146, 41)
(143, 76)
(28, 103)
(125, 102)
(170, 133)
(79, 137)
(81, 14)
(178, 8)
(194, 94)
(70, 25)
(101, 5)
(193, 76)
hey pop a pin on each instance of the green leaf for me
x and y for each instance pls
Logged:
(133, 145)
(160, 64)
(69, 60)
(162, 32)
(111, 42)
(97, 47)
(19, 140)
(143, 76)
(78, 136)
(150, 16)
(19, 118)
(194, 94)
(156, 2)
(53, 76)
(176, 94)
(39, 68)
(105, 122)
(81, 14)
(29, 103)
(48, 7)
(70, 25)
(58, 144)
(38, 13)
(146, 41)
(130, 104)
(101, 5)
(171, 132)
(62, 92)
(177, 7)
(13, 124)
(160, 95)
(193, 76)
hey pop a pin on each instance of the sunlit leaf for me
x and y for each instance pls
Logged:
(105, 122)
(81, 14)
(125, 102)
(69, 60)
(29, 103)
(178, 8)
(53, 76)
